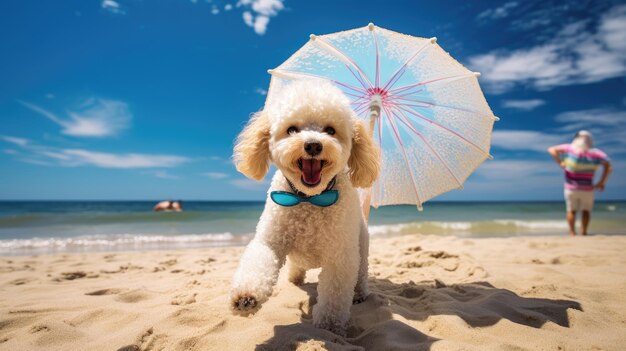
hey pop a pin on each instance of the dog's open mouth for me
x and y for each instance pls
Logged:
(311, 171)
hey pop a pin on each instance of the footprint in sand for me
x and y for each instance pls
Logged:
(146, 341)
(438, 263)
(205, 262)
(123, 269)
(22, 281)
(134, 296)
(442, 259)
(38, 328)
(184, 299)
(74, 275)
(103, 292)
(171, 262)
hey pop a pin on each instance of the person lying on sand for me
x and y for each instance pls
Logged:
(168, 206)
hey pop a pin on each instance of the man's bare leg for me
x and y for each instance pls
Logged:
(586, 219)
(571, 220)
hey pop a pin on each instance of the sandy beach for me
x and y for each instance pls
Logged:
(428, 293)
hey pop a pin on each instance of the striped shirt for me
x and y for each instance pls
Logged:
(580, 166)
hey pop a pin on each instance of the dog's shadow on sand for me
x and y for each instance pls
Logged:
(372, 326)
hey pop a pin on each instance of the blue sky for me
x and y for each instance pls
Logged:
(132, 99)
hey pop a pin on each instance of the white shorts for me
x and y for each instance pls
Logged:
(577, 200)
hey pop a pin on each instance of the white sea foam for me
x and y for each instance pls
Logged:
(533, 225)
(420, 227)
(387, 229)
(119, 241)
(495, 227)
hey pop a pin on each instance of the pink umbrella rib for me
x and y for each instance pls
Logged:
(418, 115)
(360, 104)
(353, 95)
(357, 77)
(402, 118)
(287, 73)
(405, 94)
(434, 104)
(400, 72)
(424, 105)
(365, 98)
(338, 52)
(361, 109)
(406, 87)
(377, 59)
(406, 158)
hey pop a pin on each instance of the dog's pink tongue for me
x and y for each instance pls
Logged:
(311, 170)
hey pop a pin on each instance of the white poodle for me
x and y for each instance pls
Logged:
(321, 147)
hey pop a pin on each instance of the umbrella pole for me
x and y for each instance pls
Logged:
(366, 196)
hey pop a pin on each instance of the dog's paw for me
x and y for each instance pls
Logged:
(359, 297)
(358, 300)
(243, 303)
(333, 327)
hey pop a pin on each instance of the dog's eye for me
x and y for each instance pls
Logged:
(330, 130)
(292, 130)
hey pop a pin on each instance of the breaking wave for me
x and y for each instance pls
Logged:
(119, 242)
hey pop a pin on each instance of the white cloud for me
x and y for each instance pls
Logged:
(592, 118)
(10, 151)
(112, 6)
(34, 161)
(161, 174)
(109, 160)
(215, 10)
(533, 179)
(215, 175)
(228, 7)
(260, 24)
(525, 140)
(498, 12)
(607, 125)
(576, 55)
(260, 91)
(95, 117)
(262, 11)
(265, 7)
(524, 105)
(248, 19)
(15, 140)
(79, 157)
(512, 169)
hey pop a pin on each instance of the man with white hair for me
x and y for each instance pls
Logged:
(580, 161)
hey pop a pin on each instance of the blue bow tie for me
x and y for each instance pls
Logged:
(287, 199)
(326, 198)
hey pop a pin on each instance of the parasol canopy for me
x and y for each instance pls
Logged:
(426, 110)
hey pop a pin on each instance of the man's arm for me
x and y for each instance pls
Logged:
(555, 152)
(605, 175)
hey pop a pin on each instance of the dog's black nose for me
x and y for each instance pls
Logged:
(313, 148)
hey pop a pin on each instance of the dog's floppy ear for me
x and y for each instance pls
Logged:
(252, 152)
(364, 161)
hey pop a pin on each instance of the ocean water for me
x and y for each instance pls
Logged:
(33, 227)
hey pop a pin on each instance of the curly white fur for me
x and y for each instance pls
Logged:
(334, 238)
